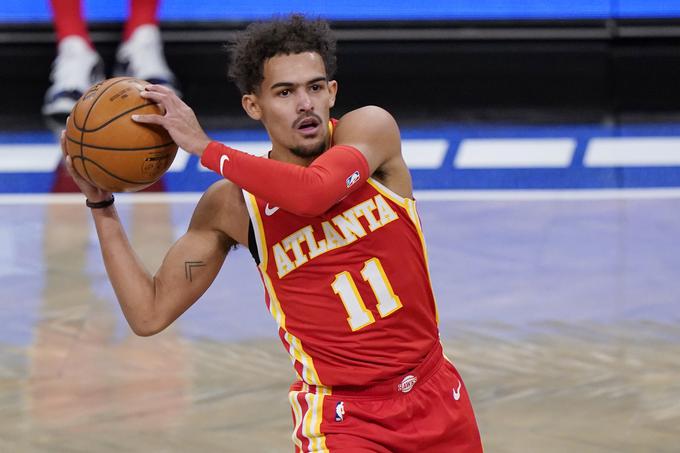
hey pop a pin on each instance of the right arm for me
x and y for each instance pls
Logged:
(150, 303)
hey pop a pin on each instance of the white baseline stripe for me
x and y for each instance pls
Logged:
(633, 152)
(420, 195)
(424, 154)
(417, 153)
(515, 153)
(29, 158)
(44, 158)
(121, 198)
(547, 195)
(429, 154)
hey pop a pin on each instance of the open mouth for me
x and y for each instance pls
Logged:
(308, 125)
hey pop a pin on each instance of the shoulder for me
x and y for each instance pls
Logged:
(222, 208)
(371, 112)
(374, 132)
(369, 119)
(371, 129)
(222, 194)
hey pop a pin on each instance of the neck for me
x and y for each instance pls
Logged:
(285, 155)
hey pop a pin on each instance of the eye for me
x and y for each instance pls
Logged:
(284, 93)
(315, 87)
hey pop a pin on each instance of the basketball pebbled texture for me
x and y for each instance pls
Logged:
(110, 150)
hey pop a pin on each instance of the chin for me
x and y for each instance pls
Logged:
(314, 150)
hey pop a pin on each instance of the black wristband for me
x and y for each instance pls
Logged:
(99, 204)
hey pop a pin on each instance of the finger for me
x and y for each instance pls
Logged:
(67, 158)
(79, 180)
(158, 89)
(69, 168)
(157, 98)
(153, 95)
(148, 119)
(62, 142)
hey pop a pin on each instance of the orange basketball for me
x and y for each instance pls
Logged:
(110, 150)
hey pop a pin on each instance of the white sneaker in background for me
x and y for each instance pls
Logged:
(142, 56)
(76, 68)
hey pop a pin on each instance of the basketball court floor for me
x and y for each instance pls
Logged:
(561, 314)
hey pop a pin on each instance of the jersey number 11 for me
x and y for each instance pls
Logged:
(358, 315)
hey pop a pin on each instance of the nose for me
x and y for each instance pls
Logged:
(304, 102)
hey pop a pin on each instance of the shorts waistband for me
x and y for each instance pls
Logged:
(402, 384)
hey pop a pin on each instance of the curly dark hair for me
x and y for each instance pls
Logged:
(282, 36)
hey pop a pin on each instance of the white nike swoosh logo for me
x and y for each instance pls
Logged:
(456, 392)
(269, 211)
(223, 159)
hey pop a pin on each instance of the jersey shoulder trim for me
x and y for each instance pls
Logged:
(398, 199)
(258, 228)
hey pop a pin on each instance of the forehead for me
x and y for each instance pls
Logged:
(293, 68)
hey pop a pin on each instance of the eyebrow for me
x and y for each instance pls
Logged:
(290, 84)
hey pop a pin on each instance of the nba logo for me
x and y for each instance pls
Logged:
(340, 411)
(354, 177)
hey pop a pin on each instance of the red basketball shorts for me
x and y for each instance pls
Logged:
(426, 411)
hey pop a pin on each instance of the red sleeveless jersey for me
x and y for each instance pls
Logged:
(350, 289)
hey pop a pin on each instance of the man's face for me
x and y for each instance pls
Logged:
(294, 102)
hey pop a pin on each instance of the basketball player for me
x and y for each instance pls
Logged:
(331, 222)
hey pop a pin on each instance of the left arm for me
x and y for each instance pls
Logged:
(366, 140)
(307, 191)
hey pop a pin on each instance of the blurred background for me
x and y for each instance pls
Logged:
(595, 68)
(543, 139)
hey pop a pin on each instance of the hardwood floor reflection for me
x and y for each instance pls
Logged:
(73, 378)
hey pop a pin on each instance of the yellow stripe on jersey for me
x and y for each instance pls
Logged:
(401, 201)
(413, 213)
(308, 422)
(311, 427)
(256, 218)
(295, 350)
(410, 206)
(297, 417)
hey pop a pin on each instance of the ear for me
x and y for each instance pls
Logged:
(251, 106)
(333, 90)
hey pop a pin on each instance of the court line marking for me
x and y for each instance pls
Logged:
(548, 195)
(426, 154)
(29, 158)
(420, 195)
(633, 152)
(515, 153)
(44, 158)
(429, 154)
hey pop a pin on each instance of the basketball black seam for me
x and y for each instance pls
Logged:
(111, 120)
(75, 123)
(82, 132)
(82, 136)
(117, 149)
(113, 175)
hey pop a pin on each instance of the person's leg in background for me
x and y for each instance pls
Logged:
(141, 52)
(77, 65)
